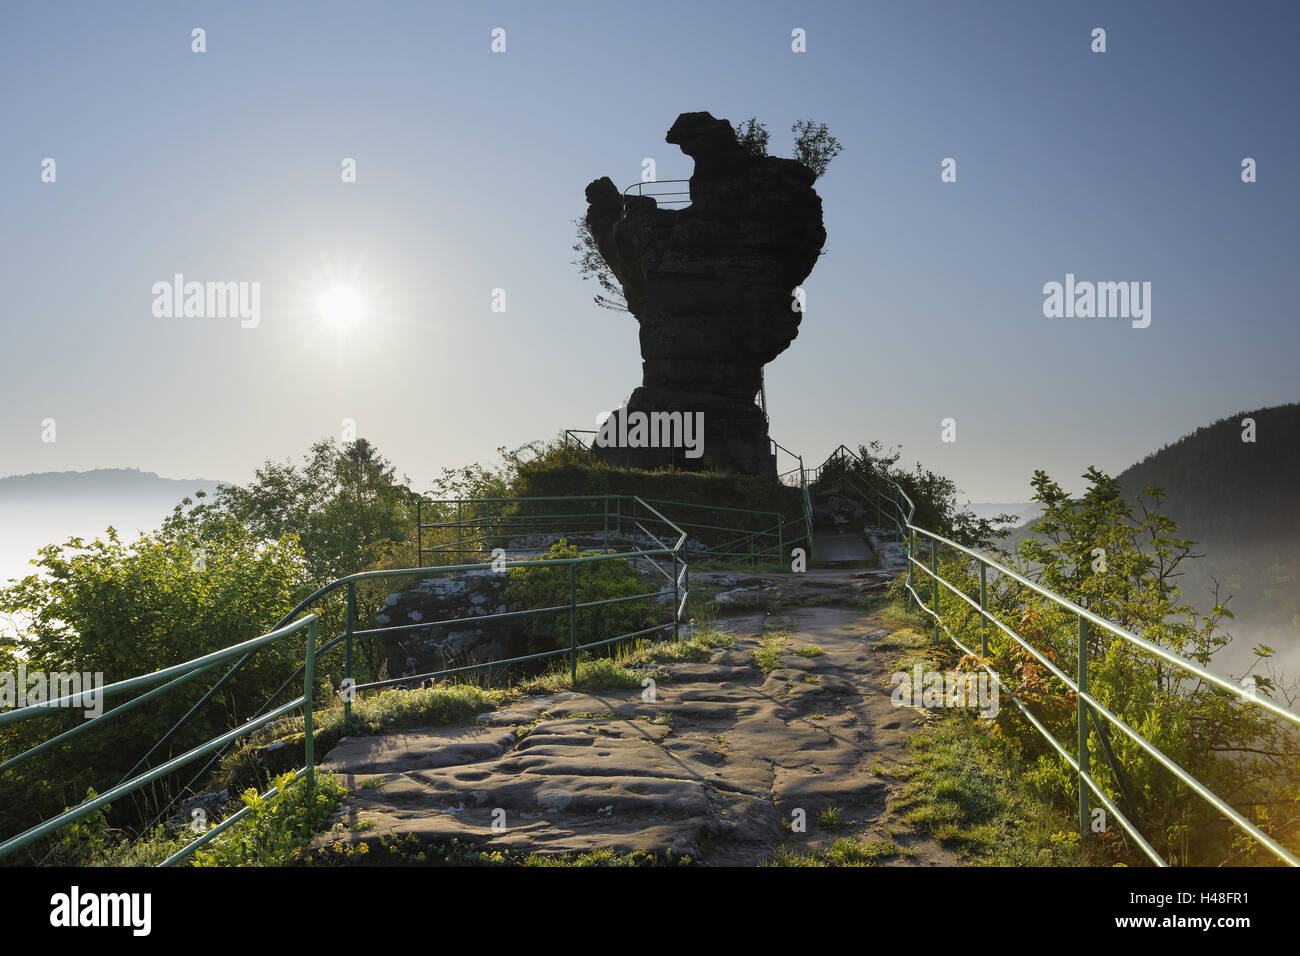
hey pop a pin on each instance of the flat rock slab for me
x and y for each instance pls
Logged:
(713, 768)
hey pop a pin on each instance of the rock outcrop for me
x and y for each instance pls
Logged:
(712, 287)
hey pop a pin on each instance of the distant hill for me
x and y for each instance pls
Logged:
(1224, 491)
(112, 484)
(1239, 502)
(48, 507)
(1023, 510)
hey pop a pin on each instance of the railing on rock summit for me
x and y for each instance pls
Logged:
(666, 197)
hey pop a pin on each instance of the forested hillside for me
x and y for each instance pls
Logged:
(1237, 499)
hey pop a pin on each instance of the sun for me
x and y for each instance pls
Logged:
(341, 307)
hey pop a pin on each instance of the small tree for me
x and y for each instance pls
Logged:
(591, 265)
(814, 146)
(753, 136)
(344, 503)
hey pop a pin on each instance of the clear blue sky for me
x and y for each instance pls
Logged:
(224, 166)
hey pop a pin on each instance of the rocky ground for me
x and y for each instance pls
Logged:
(716, 766)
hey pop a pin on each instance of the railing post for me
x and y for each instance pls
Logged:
(984, 628)
(573, 624)
(1081, 677)
(605, 534)
(677, 616)
(780, 540)
(419, 532)
(934, 576)
(347, 656)
(911, 554)
(309, 740)
(459, 531)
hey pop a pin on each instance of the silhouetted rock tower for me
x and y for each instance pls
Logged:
(712, 286)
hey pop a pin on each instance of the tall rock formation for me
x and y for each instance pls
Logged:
(712, 287)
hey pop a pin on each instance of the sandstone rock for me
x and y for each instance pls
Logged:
(467, 594)
(711, 286)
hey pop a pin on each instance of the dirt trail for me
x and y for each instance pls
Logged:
(713, 768)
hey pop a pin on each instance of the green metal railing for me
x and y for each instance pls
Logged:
(895, 507)
(797, 477)
(667, 552)
(170, 678)
(462, 528)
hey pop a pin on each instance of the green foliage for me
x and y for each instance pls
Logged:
(934, 496)
(560, 469)
(591, 265)
(846, 851)
(694, 649)
(1123, 563)
(814, 146)
(127, 609)
(548, 585)
(344, 504)
(93, 841)
(594, 673)
(966, 787)
(278, 827)
(405, 707)
(410, 851)
(768, 654)
(84, 839)
(830, 818)
(753, 135)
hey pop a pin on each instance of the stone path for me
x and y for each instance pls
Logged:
(713, 768)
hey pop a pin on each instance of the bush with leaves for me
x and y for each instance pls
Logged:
(547, 585)
(277, 828)
(1122, 562)
(934, 496)
(344, 504)
(814, 146)
(122, 610)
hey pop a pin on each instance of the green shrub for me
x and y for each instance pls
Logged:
(278, 827)
(547, 585)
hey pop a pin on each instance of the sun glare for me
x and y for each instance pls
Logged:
(341, 307)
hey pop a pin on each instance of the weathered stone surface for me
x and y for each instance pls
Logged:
(891, 555)
(467, 594)
(713, 768)
(712, 288)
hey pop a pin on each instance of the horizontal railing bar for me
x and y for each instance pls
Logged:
(1219, 681)
(145, 680)
(87, 807)
(1051, 739)
(94, 721)
(1205, 793)
(497, 616)
(224, 825)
